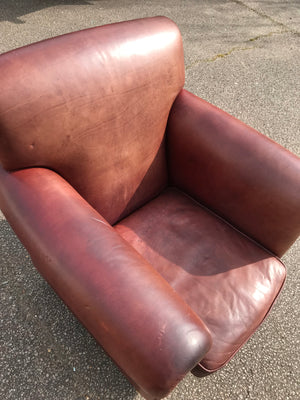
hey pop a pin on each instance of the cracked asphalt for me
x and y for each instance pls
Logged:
(242, 56)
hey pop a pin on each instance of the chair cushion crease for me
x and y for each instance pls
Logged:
(228, 280)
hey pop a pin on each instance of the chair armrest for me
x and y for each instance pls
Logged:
(140, 321)
(243, 176)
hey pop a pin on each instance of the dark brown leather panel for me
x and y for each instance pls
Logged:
(242, 175)
(228, 280)
(141, 322)
(93, 106)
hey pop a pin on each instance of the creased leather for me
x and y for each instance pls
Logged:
(142, 323)
(93, 106)
(248, 179)
(228, 280)
(83, 144)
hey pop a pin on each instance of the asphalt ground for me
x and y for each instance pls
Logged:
(242, 56)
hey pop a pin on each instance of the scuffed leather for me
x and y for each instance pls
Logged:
(228, 280)
(240, 174)
(93, 106)
(142, 323)
(84, 144)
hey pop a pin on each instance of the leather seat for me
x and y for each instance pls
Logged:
(157, 218)
(221, 274)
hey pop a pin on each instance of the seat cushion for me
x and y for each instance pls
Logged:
(226, 278)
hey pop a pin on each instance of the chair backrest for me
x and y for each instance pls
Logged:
(93, 106)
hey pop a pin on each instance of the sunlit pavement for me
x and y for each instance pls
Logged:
(242, 56)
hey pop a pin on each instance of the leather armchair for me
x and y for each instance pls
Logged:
(156, 217)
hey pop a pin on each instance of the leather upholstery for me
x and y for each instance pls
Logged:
(109, 202)
(228, 280)
(104, 280)
(92, 106)
(235, 171)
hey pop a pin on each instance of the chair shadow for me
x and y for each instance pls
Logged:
(46, 350)
(12, 12)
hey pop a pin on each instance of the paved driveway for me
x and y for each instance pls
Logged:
(241, 56)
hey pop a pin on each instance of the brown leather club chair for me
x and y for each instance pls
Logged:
(155, 216)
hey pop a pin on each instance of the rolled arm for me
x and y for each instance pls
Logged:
(243, 176)
(149, 331)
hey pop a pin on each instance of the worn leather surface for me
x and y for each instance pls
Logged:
(143, 324)
(93, 106)
(240, 174)
(226, 278)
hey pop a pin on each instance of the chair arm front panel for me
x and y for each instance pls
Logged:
(243, 176)
(141, 322)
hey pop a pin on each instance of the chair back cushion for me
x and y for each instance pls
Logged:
(93, 106)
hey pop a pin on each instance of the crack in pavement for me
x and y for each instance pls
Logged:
(264, 15)
(284, 29)
(227, 53)
(238, 48)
